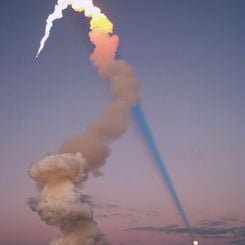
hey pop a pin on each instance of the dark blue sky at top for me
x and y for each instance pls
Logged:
(190, 57)
(192, 39)
(188, 54)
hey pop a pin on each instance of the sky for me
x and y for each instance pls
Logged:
(189, 56)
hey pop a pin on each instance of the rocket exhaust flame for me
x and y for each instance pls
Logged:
(57, 14)
(98, 19)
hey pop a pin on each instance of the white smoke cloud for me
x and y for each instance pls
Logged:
(59, 203)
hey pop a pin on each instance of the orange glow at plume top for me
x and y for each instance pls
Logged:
(98, 19)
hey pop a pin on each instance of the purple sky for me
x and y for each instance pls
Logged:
(189, 56)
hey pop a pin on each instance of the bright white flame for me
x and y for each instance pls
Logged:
(98, 19)
(57, 14)
(195, 242)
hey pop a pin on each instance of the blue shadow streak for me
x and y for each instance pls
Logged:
(141, 122)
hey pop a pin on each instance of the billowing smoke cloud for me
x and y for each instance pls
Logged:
(58, 203)
(60, 177)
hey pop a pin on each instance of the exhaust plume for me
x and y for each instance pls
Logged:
(60, 177)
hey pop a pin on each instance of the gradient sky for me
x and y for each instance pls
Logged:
(189, 56)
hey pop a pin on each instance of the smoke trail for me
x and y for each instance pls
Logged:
(60, 177)
(142, 124)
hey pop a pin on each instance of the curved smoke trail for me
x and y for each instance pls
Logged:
(60, 177)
